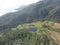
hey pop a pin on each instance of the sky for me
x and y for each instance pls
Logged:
(9, 5)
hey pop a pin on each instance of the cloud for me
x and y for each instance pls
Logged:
(9, 5)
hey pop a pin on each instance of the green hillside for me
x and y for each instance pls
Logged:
(36, 33)
(42, 10)
(35, 24)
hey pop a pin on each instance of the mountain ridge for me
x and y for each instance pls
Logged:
(42, 10)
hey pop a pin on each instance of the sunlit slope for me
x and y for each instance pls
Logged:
(55, 36)
(36, 33)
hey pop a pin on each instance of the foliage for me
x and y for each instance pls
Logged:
(23, 35)
(16, 28)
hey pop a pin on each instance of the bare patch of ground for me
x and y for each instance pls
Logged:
(57, 25)
(55, 36)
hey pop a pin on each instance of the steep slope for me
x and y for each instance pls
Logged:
(25, 35)
(42, 10)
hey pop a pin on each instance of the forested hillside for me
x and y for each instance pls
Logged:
(35, 24)
(42, 10)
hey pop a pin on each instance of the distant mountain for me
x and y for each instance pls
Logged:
(42, 10)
